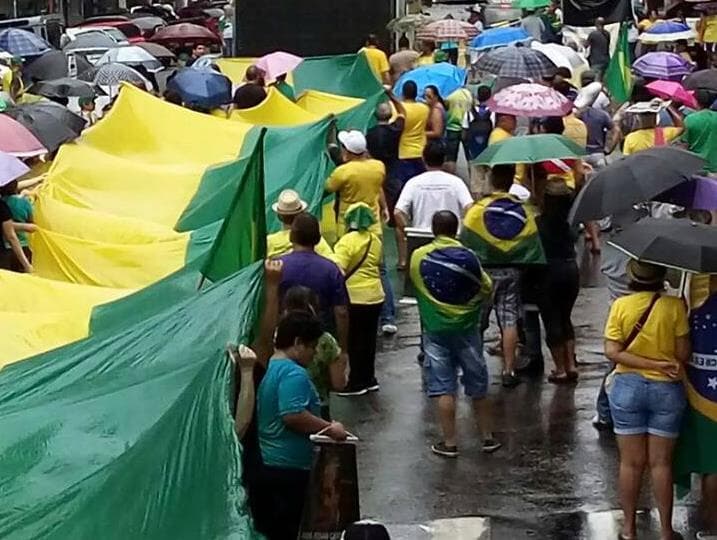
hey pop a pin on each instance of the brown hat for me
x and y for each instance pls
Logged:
(645, 273)
(289, 203)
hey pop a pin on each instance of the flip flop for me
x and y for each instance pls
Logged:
(559, 379)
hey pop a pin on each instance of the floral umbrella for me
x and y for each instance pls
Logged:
(530, 99)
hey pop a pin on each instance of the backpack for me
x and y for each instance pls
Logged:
(480, 126)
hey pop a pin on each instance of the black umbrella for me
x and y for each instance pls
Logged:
(706, 78)
(91, 40)
(73, 121)
(53, 65)
(50, 131)
(65, 87)
(634, 179)
(677, 243)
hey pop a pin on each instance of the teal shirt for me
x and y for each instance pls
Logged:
(700, 136)
(285, 389)
(21, 210)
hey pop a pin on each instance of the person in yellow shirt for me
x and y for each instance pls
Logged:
(287, 207)
(428, 49)
(358, 179)
(647, 337)
(504, 129)
(413, 138)
(646, 24)
(377, 59)
(650, 134)
(12, 79)
(707, 32)
(359, 253)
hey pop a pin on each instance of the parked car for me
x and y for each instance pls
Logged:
(131, 31)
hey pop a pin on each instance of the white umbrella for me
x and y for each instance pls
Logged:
(563, 56)
(131, 56)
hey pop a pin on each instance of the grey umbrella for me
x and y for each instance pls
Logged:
(73, 121)
(50, 131)
(64, 87)
(53, 65)
(677, 243)
(91, 40)
(112, 75)
(149, 23)
(516, 62)
(155, 49)
(634, 179)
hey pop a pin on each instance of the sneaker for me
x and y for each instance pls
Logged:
(510, 380)
(600, 424)
(707, 535)
(490, 445)
(373, 386)
(389, 329)
(440, 449)
(352, 391)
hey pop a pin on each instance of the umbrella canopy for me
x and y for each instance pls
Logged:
(530, 149)
(149, 23)
(50, 131)
(531, 4)
(11, 168)
(113, 75)
(204, 88)
(408, 22)
(156, 50)
(63, 88)
(667, 31)
(53, 65)
(446, 77)
(674, 91)
(634, 179)
(530, 100)
(22, 43)
(698, 193)
(184, 32)
(131, 56)
(705, 78)
(662, 65)
(676, 243)
(73, 121)
(447, 30)
(17, 140)
(91, 40)
(563, 56)
(278, 63)
(521, 62)
(499, 37)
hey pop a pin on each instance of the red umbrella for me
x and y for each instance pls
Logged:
(183, 32)
(17, 140)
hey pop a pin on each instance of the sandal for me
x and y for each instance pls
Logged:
(572, 376)
(559, 379)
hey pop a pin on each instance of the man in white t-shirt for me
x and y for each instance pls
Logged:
(431, 192)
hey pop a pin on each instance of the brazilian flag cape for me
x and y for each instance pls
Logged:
(697, 446)
(450, 286)
(502, 232)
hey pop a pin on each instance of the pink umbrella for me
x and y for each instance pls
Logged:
(674, 91)
(17, 140)
(529, 99)
(278, 63)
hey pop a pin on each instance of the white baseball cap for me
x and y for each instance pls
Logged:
(353, 140)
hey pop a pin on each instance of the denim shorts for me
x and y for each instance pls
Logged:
(444, 354)
(639, 405)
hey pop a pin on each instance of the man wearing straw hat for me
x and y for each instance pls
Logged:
(287, 207)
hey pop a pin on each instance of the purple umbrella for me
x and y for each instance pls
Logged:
(699, 193)
(662, 65)
(11, 168)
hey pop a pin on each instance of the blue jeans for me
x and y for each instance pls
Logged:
(444, 354)
(603, 403)
(388, 311)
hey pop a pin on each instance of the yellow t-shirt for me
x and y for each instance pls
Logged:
(642, 139)
(364, 285)
(378, 61)
(575, 130)
(413, 138)
(360, 180)
(709, 29)
(278, 244)
(425, 60)
(656, 340)
(499, 134)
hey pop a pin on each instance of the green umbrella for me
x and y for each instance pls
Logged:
(531, 4)
(529, 149)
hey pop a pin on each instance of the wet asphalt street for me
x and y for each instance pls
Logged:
(554, 478)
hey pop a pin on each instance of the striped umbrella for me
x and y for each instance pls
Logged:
(113, 74)
(447, 30)
(662, 65)
(22, 43)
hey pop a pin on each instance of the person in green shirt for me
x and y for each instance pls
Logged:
(21, 210)
(700, 135)
(284, 87)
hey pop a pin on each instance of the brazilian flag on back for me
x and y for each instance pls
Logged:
(502, 232)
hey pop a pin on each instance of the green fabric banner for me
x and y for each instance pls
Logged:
(346, 74)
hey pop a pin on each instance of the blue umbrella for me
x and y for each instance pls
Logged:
(204, 88)
(22, 43)
(667, 31)
(499, 37)
(446, 77)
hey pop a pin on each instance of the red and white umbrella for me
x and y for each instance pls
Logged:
(447, 30)
(530, 99)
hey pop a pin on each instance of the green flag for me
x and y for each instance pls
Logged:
(618, 78)
(242, 238)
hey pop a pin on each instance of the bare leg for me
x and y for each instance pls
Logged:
(709, 501)
(570, 355)
(510, 345)
(447, 418)
(558, 353)
(659, 453)
(483, 409)
(402, 247)
(633, 456)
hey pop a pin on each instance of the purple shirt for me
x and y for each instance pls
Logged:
(318, 274)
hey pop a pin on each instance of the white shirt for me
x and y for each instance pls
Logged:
(431, 192)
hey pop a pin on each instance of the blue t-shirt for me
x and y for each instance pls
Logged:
(598, 123)
(285, 389)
